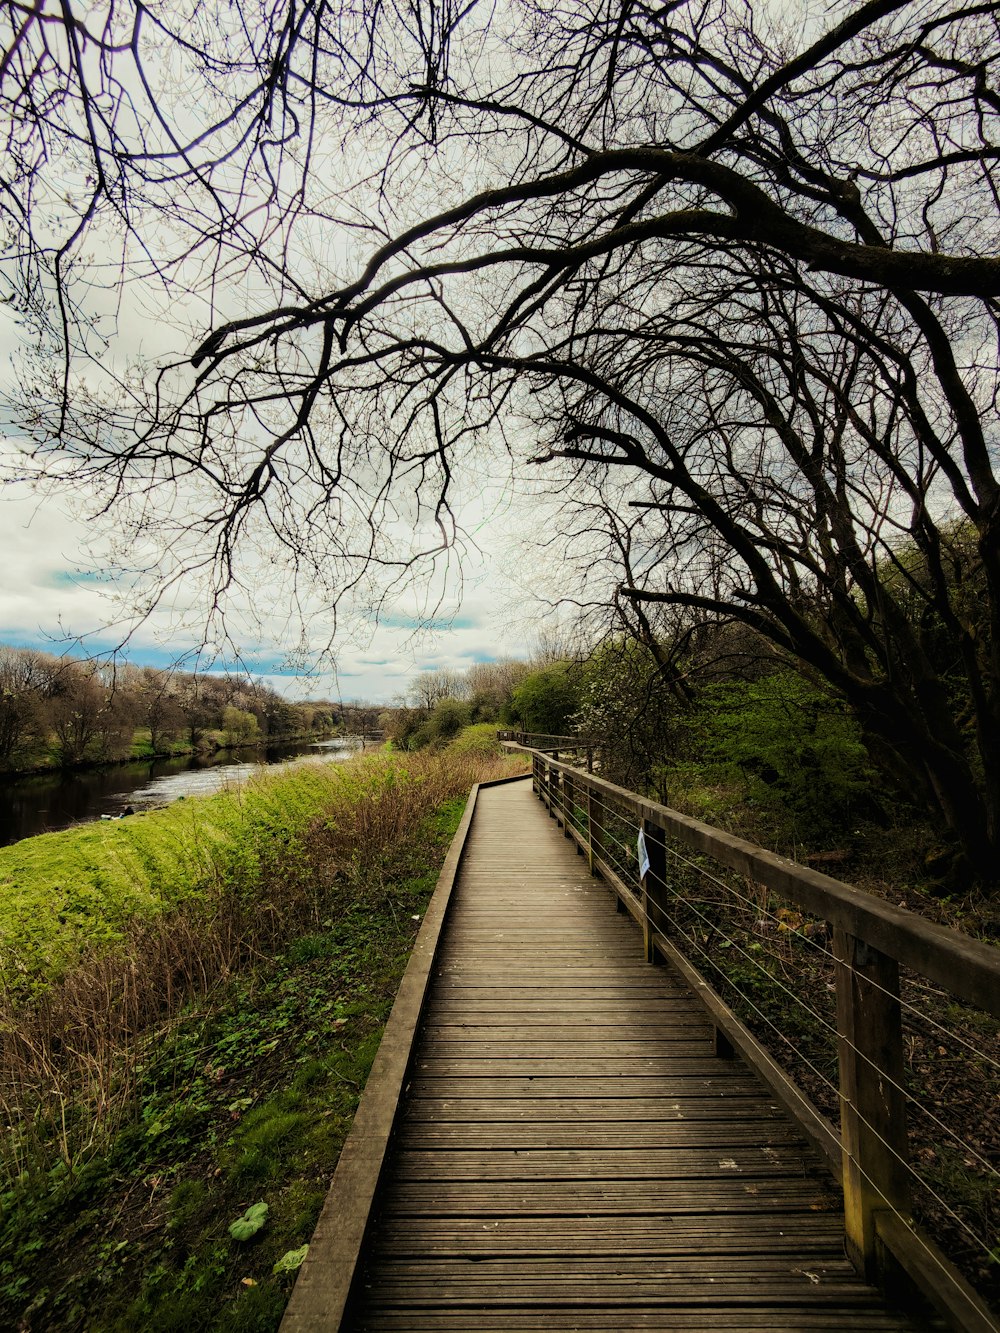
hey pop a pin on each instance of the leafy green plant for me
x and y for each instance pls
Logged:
(795, 746)
(291, 1260)
(546, 699)
(247, 1226)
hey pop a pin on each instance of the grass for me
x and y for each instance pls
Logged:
(247, 1099)
(238, 1088)
(62, 892)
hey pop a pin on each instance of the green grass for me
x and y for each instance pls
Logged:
(245, 1098)
(63, 891)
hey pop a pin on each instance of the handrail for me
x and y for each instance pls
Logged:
(530, 740)
(871, 939)
(968, 967)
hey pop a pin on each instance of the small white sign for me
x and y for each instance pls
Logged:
(643, 855)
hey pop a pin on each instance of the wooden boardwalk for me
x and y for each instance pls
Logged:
(571, 1154)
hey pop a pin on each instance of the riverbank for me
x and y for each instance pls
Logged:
(200, 1049)
(46, 762)
(61, 799)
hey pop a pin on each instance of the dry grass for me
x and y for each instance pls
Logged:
(69, 1055)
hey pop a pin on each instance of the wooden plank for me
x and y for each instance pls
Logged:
(715, 1079)
(780, 1233)
(529, 1012)
(660, 1110)
(526, 1066)
(593, 1198)
(595, 1049)
(532, 1033)
(652, 1279)
(833, 1319)
(549, 1163)
(725, 1134)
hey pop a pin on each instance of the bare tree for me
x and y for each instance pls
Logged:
(737, 276)
(429, 687)
(26, 679)
(491, 685)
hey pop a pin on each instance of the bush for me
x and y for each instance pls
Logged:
(446, 720)
(481, 738)
(796, 747)
(547, 699)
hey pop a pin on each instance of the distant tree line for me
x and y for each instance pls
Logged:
(70, 712)
(438, 704)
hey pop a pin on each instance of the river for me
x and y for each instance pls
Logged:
(45, 802)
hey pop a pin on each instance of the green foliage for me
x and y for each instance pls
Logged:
(448, 717)
(481, 738)
(267, 1071)
(546, 700)
(625, 703)
(291, 1260)
(187, 1200)
(239, 727)
(795, 747)
(247, 1226)
(61, 892)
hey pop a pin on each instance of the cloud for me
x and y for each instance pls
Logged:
(50, 599)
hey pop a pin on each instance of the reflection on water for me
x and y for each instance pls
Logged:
(50, 801)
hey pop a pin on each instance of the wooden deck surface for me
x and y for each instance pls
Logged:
(571, 1155)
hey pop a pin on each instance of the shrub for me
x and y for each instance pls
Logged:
(795, 746)
(481, 738)
(547, 699)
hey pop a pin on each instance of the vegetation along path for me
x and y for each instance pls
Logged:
(571, 1152)
(189, 1006)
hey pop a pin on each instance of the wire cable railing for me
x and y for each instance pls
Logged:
(624, 864)
(764, 929)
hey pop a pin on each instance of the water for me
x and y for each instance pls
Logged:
(50, 801)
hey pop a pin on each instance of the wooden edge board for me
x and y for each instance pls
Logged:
(325, 1280)
(937, 1277)
(967, 967)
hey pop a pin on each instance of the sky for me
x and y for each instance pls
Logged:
(57, 595)
(50, 600)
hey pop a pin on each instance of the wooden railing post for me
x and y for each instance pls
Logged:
(872, 1104)
(653, 882)
(569, 797)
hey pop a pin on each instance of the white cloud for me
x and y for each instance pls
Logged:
(49, 594)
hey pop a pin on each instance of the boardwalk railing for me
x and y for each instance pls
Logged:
(554, 745)
(871, 940)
